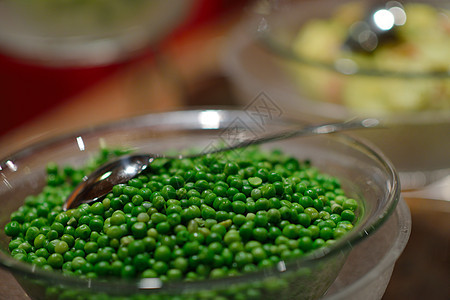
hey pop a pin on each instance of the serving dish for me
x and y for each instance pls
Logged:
(261, 62)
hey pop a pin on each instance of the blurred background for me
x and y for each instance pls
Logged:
(183, 54)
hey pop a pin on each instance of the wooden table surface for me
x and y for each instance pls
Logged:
(188, 74)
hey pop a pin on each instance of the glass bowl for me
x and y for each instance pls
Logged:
(264, 57)
(364, 172)
(79, 33)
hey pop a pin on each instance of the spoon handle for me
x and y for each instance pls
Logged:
(304, 131)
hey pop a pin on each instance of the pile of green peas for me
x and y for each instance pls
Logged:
(213, 216)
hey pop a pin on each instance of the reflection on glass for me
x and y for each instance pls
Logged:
(383, 19)
(80, 143)
(209, 119)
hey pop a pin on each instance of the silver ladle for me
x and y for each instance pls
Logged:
(100, 182)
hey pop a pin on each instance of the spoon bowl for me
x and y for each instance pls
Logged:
(100, 182)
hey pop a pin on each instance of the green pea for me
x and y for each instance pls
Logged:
(82, 220)
(231, 168)
(105, 254)
(274, 203)
(219, 229)
(207, 212)
(139, 229)
(168, 192)
(335, 217)
(102, 268)
(177, 182)
(40, 241)
(181, 264)
(273, 232)
(312, 212)
(268, 191)
(163, 227)
(262, 204)
(274, 177)
(191, 248)
(231, 236)
(31, 233)
(96, 224)
(314, 231)
(160, 268)
(336, 208)
(103, 241)
(61, 247)
(163, 253)
(83, 232)
(239, 220)
(242, 258)
(236, 183)
(136, 247)
(201, 185)
(55, 260)
(347, 225)
(238, 206)
(39, 261)
(304, 219)
(226, 205)
(114, 232)
(256, 194)
(339, 232)
(255, 181)
(13, 229)
(291, 231)
(306, 201)
(350, 204)
(348, 215)
(42, 252)
(158, 218)
(149, 273)
(18, 251)
(262, 173)
(92, 258)
(195, 200)
(305, 243)
(260, 234)
(326, 233)
(62, 218)
(90, 247)
(97, 208)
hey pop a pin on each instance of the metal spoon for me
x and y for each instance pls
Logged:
(378, 25)
(100, 182)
